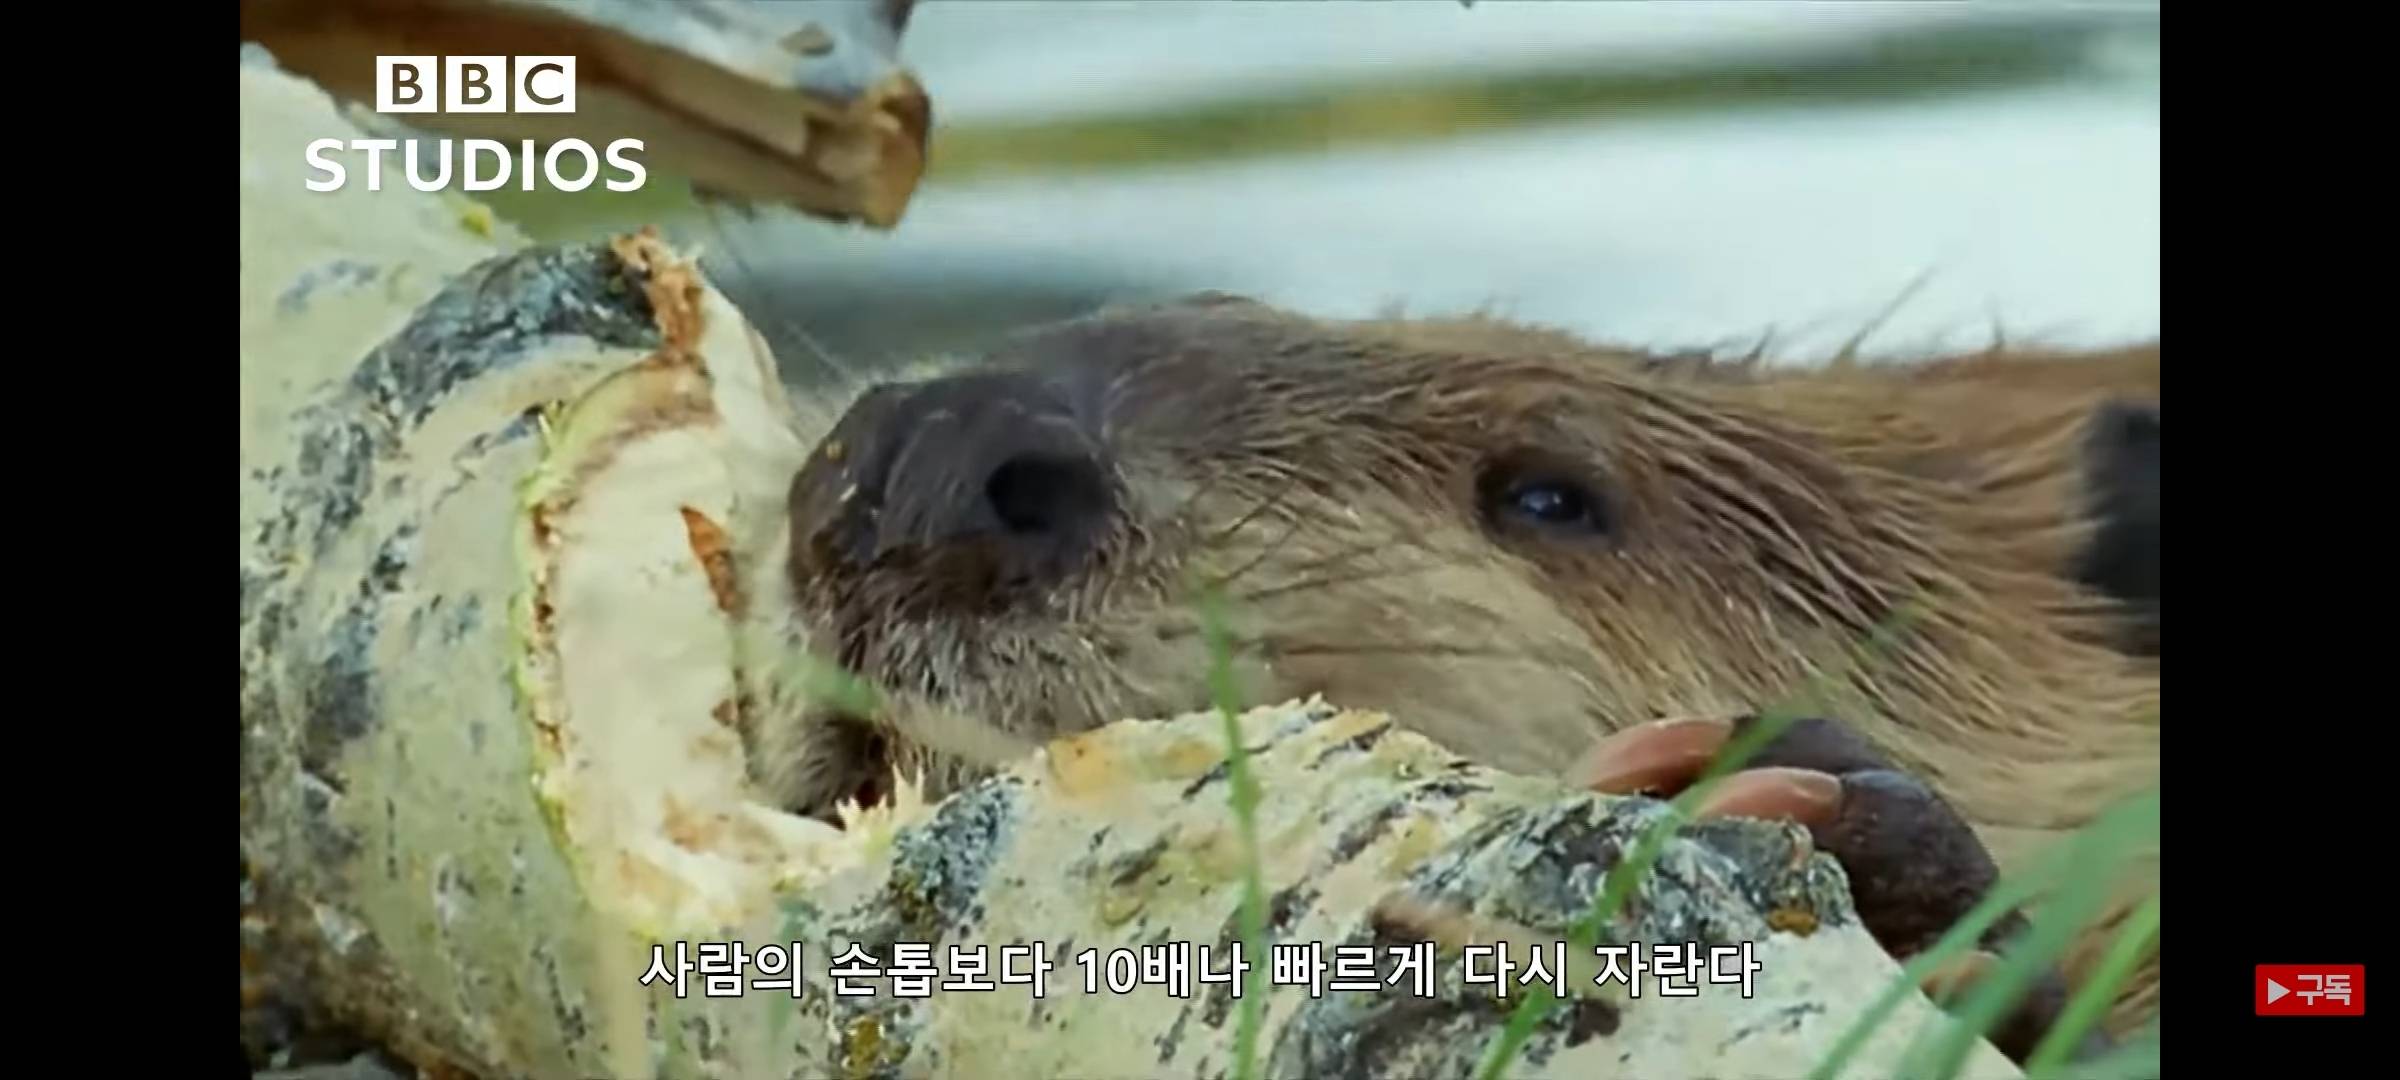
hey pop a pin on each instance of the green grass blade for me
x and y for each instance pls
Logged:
(2136, 1060)
(2088, 1005)
(1618, 884)
(1244, 794)
(2096, 852)
(2006, 895)
(821, 683)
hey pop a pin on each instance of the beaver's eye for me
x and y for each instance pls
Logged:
(1543, 501)
(1550, 503)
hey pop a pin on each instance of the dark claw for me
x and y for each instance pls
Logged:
(1915, 865)
(1821, 745)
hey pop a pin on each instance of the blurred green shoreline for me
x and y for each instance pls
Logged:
(1896, 68)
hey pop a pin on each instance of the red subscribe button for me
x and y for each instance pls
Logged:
(2311, 989)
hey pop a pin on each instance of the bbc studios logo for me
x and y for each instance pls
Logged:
(478, 84)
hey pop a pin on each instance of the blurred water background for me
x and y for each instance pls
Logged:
(1675, 174)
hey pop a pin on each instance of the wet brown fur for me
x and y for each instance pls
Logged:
(1766, 522)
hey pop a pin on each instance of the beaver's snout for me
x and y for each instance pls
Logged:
(977, 487)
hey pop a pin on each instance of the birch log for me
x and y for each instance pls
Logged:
(510, 524)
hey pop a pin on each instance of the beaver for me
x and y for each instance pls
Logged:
(1532, 549)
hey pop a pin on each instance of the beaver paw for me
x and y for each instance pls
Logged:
(1915, 866)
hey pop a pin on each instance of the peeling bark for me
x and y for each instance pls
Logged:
(510, 530)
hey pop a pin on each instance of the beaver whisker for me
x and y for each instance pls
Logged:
(1273, 650)
(1335, 559)
(1184, 507)
(1325, 581)
(1263, 555)
(1339, 556)
(1243, 521)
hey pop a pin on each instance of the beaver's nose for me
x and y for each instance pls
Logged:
(1042, 493)
(974, 482)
